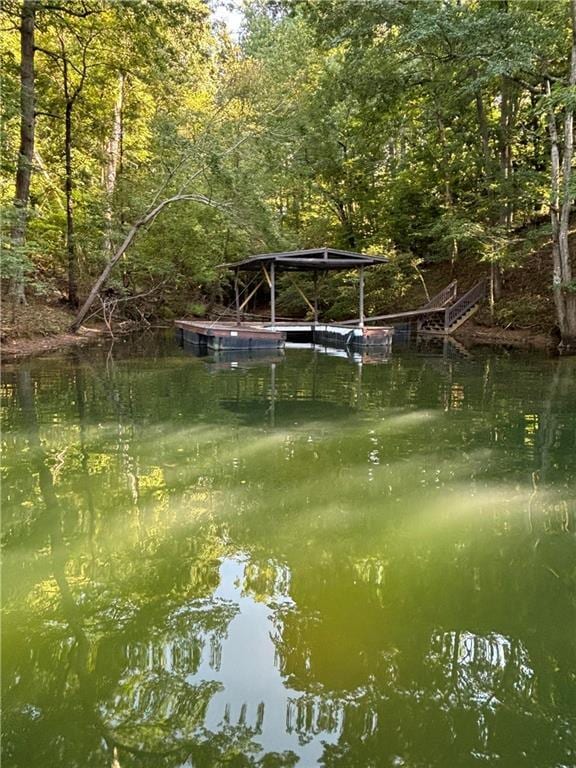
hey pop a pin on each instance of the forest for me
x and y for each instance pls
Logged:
(144, 145)
(224, 546)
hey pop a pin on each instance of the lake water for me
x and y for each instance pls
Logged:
(301, 560)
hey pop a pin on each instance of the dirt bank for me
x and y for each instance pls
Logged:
(472, 334)
(40, 326)
(15, 349)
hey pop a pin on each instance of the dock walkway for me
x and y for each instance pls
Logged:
(442, 315)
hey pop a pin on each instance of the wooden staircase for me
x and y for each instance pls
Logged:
(441, 315)
(455, 314)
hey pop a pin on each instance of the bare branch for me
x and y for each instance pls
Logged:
(146, 219)
(46, 52)
(48, 114)
(69, 12)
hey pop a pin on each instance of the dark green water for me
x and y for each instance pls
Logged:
(307, 561)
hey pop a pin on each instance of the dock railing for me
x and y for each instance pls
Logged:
(444, 297)
(465, 303)
(433, 307)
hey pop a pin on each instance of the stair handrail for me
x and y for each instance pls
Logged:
(445, 296)
(411, 313)
(437, 302)
(465, 302)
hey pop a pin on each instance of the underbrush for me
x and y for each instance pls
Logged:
(36, 318)
(530, 312)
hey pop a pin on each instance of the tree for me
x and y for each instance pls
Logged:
(145, 220)
(562, 195)
(26, 150)
(71, 92)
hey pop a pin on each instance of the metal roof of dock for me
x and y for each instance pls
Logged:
(312, 259)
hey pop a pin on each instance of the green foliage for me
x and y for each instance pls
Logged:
(197, 309)
(533, 312)
(415, 128)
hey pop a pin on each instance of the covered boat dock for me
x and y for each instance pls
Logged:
(273, 333)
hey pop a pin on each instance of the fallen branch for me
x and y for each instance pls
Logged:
(124, 299)
(107, 318)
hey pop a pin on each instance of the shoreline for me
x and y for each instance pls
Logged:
(21, 348)
(18, 349)
(494, 336)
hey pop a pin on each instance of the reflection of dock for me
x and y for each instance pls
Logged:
(446, 347)
(440, 348)
(247, 358)
(358, 355)
(277, 404)
(230, 358)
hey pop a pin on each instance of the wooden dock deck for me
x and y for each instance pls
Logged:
(222, 336)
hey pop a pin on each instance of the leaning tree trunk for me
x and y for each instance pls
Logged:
(26, 150)
(143, 222)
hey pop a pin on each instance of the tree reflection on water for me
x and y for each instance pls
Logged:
(189, 584)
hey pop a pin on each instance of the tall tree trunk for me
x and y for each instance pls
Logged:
(112, 167)
(343, 211)
(70, 95)
(567, 160)
(505, 161)
(560, 208)
(448, 197)
(484, 136)
(507, 110)
(555, 213)
(70, 244)
(488, 172)
(505, 217)
(26, 150)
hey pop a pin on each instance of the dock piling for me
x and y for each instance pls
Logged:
(361, 312)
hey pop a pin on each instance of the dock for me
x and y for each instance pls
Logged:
(221, 336)
(242, 335)
(441, 315)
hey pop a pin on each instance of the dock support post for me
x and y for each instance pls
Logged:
(315, 298)
(361, 313)
(272, 292)
(237, 294)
